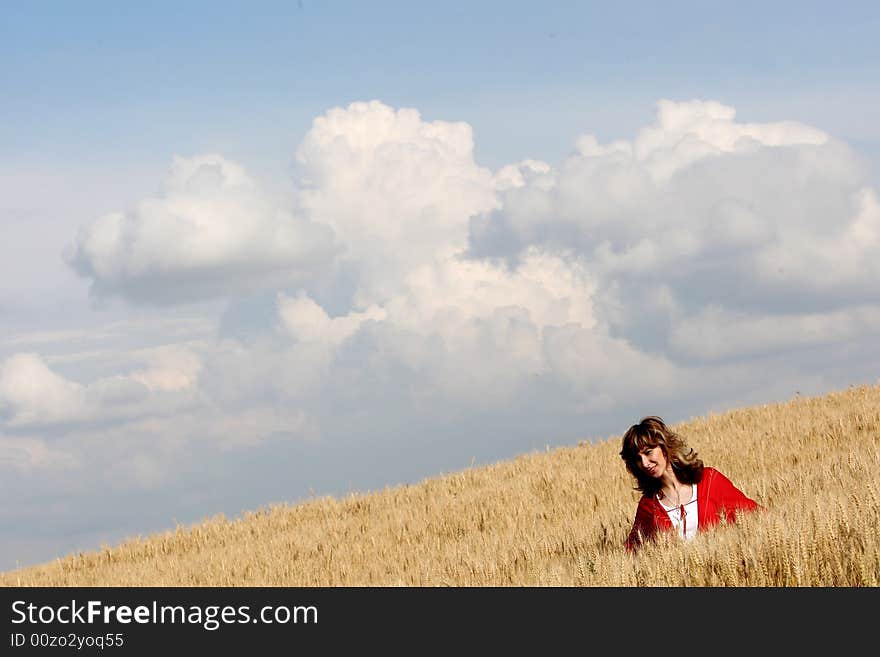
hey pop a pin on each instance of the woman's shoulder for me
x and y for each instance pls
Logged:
(712, 478)
(647, 502)
(707, 476)
(709, 473)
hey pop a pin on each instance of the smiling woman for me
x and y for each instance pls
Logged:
(678, 492)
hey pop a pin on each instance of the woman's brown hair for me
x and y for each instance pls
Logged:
(651, 432)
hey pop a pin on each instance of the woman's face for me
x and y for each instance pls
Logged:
(652, 461)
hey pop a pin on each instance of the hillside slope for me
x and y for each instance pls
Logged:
(551, 518)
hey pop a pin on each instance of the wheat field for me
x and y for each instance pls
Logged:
(552, 518)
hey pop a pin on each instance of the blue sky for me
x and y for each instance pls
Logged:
(259, 250)
(98, 78)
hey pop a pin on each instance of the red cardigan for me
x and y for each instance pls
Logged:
(716, 497)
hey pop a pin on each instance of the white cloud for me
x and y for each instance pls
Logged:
(306, 321)
(210, 233)
(30, 393)
(631, 255)
(398, 191)
(847, 256)
(699, 211)
(474, 332)
(171, 367)
(686, 132)
(443, 296)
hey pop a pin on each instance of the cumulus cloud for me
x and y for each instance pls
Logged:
(699, 211)
(843, 258)
(701, 240)
(169, 367)
(210, 233)
(686, 132)
(31, 393)
(443, 296)
(475, 333)
(306, 321)
(399, 191)
(34, 396)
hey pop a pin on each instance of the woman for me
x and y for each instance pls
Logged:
(678, 492)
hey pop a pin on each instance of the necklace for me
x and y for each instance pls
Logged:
(669, 497)
(677, 495)
(682, 514)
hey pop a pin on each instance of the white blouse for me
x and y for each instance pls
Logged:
(685, 524)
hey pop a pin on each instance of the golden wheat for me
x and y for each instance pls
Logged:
(553, 518)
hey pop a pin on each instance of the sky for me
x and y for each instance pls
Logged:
(255, 253)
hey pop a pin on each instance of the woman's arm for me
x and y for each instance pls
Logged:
(643, 527)
(728, 498)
